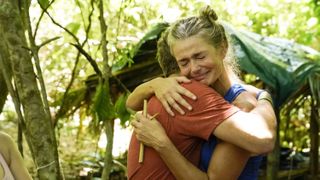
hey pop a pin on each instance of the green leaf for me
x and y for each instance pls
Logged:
(44, 3)
(74, 27)
(102, 105)
(121, 110)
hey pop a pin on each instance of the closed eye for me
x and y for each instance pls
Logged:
(183, 63)
(200, 55)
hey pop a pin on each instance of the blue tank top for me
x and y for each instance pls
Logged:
(251, 170)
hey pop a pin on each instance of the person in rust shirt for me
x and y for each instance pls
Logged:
(187, 131)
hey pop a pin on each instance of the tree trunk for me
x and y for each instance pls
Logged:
(109, 128)
(314, 137)
(3, 86)
(109, 123)
(273, 157)
(3, 92)
(38, 130)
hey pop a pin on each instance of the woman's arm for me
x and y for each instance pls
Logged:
(167, 90)
(257, 134)
(227, 161)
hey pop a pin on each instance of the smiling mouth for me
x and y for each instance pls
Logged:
(199, 78)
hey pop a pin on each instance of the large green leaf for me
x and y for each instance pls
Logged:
(121, 110)
(102, 105)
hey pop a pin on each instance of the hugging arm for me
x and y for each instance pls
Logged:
(167, 90)
(227, 161)
(257, 134)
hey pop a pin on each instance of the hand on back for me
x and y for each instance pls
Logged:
(170, 93)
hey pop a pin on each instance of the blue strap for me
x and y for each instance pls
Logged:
(257, 97)
(206, 152)
(233, 92)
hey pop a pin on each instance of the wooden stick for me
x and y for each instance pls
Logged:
(141, 150)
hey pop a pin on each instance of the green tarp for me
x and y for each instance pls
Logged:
(282, 64)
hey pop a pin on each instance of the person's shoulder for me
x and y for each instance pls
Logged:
(198, 88)
(5, 139)
(4, 136)
(194, 85)
(6, 143)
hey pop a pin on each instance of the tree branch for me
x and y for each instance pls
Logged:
(74, 70)
(48, 41)
(89, 58)
(41, 16)
(59, 25)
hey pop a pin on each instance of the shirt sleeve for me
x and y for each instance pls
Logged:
(209, 110)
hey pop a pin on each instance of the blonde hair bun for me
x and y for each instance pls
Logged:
(208, 13)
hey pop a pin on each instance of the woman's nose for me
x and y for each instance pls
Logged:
(195, 68)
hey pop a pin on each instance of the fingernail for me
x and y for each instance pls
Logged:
(190, 108)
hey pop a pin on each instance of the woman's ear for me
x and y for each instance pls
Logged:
(224, 50)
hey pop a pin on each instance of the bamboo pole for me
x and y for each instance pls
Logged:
(141, 151)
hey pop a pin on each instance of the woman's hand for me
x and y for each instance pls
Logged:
(149, 131)
(169, 92)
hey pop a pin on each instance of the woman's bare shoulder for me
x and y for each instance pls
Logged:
(6, 142)
(5, 136)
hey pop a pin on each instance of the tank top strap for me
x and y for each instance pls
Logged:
(7, 173)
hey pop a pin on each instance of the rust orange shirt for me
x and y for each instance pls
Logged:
(187, 132)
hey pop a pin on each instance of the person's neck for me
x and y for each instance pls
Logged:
(222, 84)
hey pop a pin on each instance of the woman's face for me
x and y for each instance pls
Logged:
(198, 60)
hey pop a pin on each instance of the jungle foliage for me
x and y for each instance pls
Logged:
(78, 62)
